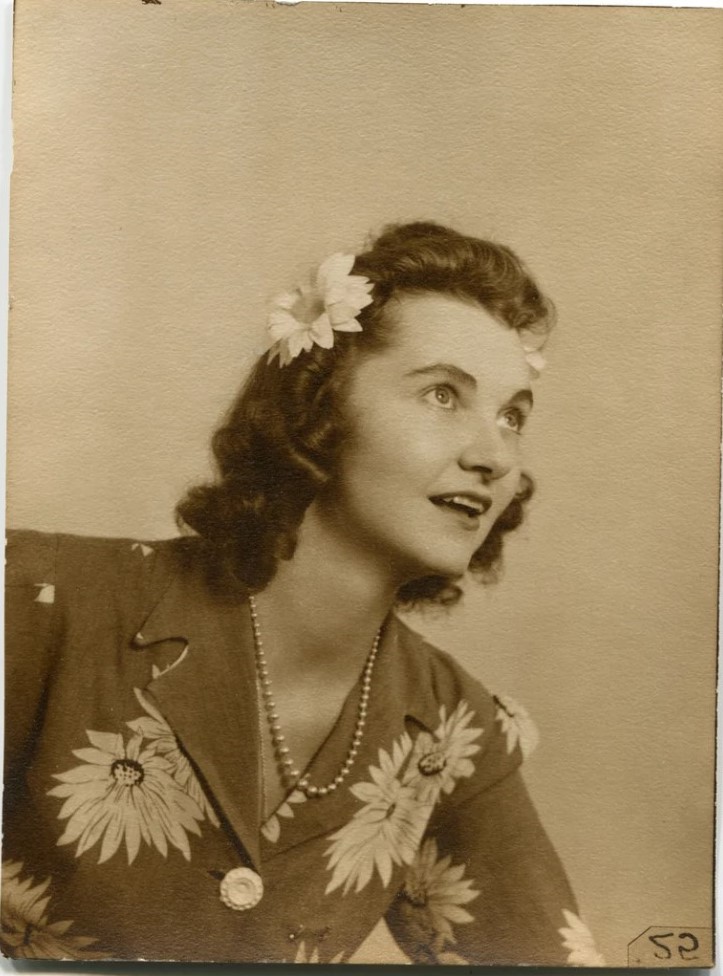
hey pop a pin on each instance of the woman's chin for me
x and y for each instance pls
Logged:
(454, 566)
(448, 562)
(451, 570)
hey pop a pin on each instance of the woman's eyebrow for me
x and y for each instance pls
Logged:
(450, 371)
(523, 396)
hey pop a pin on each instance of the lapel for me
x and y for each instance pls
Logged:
(402, 690)
(208, 697)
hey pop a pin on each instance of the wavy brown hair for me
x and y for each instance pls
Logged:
(280, 441)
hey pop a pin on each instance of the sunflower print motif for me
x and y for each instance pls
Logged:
(305, 954)
(386, 831)
(517, 724)
(578, 940)
(398, 801)
(155, 729)
(26, 931)
(271, 829)
(433, 894)
(439, 760)
(131, 790)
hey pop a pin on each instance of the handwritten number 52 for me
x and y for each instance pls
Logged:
(686, 944)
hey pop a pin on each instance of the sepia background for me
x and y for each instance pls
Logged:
(178, 163)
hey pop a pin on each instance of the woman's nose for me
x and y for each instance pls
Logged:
(489, 453)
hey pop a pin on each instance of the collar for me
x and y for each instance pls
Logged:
(209, 697)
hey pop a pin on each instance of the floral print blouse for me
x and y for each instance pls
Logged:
(132, 811)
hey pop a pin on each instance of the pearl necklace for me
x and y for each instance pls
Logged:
(288, 772)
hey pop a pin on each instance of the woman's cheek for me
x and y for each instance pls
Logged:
(507, 489)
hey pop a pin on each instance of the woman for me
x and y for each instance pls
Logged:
(227, 746)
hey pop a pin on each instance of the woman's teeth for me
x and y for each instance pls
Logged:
(461, 503)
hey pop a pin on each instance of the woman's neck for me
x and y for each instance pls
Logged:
(325, 605)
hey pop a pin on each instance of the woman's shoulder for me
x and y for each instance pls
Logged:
(34, 558)
(450, 690)
(445, 678)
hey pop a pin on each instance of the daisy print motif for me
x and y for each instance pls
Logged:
(124, 792)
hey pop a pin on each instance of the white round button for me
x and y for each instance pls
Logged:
(241, 889)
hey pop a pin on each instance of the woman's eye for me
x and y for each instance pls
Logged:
(514, 419)
(442, 396)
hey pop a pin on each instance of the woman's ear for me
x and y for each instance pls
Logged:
(526, 488)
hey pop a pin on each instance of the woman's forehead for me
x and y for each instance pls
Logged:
(432, 327)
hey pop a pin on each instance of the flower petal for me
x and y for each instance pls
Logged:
(90, 793)
(109, 742)
(149, 707)
(536, 361)
(287, 299)
(321, 332)
(94, 831)
(132, 834)
(341, 312)
(366, 792)
(351, 325)
(112, 837)
(147, 816)
(271, 829)
(298, 341)
(97, 757)
(456, 914)
(282, 324)
(83, 774)
(334, 268)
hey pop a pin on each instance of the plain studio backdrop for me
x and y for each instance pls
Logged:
(177, 164)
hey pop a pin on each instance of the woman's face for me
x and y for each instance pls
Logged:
(433, 456)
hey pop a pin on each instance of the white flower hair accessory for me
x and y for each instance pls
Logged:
(535, 360)
(311, 313)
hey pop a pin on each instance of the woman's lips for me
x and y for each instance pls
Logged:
(471, 504)
(468, 508)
